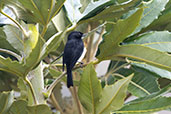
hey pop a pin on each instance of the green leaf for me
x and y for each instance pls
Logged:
(147, 106)
(157, 40)
(163, 91)
(84, 4)
(61, 21)
(157, 71)
(23, 89)
(38, 83)
(93, 8)
(31, 41)
(36, 11)
(52, 44)
(115, 11)
(54, 73)
(143, 83)
(14, 37)
(34, 58)
(151, 12)
(72, 8)
(6, 99)
(4, 43)
(14, 67)
(89, 89)
(117, 33)
(162, 23)
(34, 43)
(18, 107)
(112, 97)
(39, 109)
(142, 53)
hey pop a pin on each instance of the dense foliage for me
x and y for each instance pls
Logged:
(135, 35)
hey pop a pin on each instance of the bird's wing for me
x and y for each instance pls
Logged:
(78, 50)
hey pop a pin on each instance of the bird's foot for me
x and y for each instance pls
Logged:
(81, 64)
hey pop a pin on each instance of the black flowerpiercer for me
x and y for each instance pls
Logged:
(72, 52)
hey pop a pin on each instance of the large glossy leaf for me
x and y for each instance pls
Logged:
(143, 83)
(39, 109)
(142, 53)
(14, 37)
(93, 8)
(147, 106)
(14, 67)
(6, 99)
(61, 21)
(112, 97)
(151, 12)
(52, 44)
(5, 20)
(72, 8)
(23, 89)
(162, 92)
(117, 33)
(37, 11)
(89, 89)
(32, 40)
(157, 40)
(115, 11)
(18, 107)
(4, 43)
(162, 23)
(157, 71)
(38, 83)
(34, 44)
(74, 14)
(34, 58)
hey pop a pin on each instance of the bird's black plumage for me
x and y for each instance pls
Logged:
(72, 52)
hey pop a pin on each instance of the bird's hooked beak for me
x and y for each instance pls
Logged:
(84, 35)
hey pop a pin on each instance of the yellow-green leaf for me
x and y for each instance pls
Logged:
(112, 96)
(89, 89)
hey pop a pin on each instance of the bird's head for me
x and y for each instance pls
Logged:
(75, 35)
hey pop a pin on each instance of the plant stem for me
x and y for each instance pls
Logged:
(57, 106)
(11, 53)
(99, 39)
(22, 29)
(75, 96)
(49, 90)
(44, 30)
(31, 89)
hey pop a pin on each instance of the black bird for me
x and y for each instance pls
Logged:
(72, 52)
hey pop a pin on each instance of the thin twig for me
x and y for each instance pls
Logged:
(99, 39)
(75, 96)
(49, 90)
(55, 103)
(118, 68)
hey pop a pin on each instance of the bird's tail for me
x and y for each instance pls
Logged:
(69, 78)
